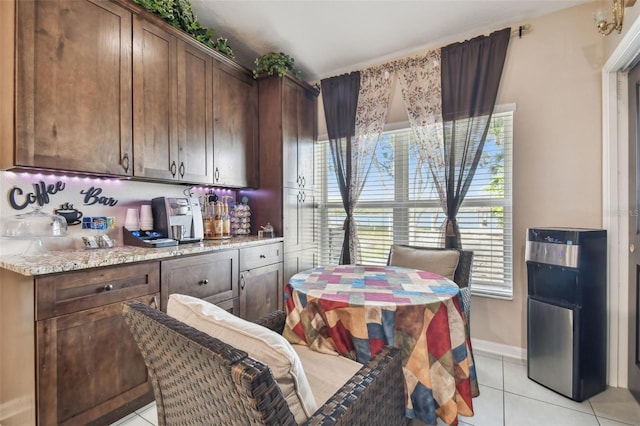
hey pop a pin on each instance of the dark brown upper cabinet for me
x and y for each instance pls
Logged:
(235, 129)
(173, 103)
(107, 88)
(73, 77)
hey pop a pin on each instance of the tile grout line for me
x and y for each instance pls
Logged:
(504, 402)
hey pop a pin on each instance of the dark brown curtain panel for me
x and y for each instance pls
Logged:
(470, 77)
(340, 100)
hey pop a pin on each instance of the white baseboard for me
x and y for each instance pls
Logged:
(15, 407)
(499, 349)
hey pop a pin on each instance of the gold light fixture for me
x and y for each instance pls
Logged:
(601, 16)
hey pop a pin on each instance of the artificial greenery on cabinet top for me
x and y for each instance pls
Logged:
(276, 62)
(180, 14)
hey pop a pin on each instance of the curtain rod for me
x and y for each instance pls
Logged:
(524, 28)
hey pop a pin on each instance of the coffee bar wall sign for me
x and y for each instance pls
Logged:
(42, 192)
(91, 197)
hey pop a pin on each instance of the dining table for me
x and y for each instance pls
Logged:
(355, 310)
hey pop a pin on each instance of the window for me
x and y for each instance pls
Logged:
(399, 205)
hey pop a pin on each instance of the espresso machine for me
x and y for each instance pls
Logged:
(179, 218)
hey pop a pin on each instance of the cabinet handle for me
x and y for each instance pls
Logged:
(125, 163)
(304, 196)
(216, 175)
(304, 181)
(242, 281)
(299, 194)
(299, 181)
(154, 303)
(108, 287)
(172, 169)
(262, 256)
(181, 169)
(204, 282)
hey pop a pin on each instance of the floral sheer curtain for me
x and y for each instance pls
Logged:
(371, 116)
(421, 90)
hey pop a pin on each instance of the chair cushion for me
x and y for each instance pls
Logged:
(259, 342)
(441, 262)
(326, 373)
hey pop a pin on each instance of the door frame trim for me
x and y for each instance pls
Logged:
(615, 199)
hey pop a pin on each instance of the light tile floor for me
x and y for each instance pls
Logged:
(509, 398)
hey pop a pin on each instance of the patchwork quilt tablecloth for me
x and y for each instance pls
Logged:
(356, 310)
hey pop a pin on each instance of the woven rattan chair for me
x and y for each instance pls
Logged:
(461, 276)
(200, 380)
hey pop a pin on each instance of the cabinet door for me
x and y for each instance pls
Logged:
(89, 367)
(261, 291)
(299, 132)
(298, 217)
(235, 128)
(154, 101)
(195, 115)
(307, 137)
(290, 173)
(212, 277)
(291, 216)
(73, 97)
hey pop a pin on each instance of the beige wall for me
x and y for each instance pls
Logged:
(553, 76)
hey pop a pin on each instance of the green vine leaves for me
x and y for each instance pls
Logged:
(273, 62)
(180, 15)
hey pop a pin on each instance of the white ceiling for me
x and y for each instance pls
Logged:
(330, 37)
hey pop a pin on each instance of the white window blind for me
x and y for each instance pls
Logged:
(399, 205)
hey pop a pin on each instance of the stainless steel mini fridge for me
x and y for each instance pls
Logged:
(567, 318)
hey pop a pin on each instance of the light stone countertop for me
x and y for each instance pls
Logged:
(74, 259)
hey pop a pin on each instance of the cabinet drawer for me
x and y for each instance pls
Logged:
(68, 292)
(255, 257)
(212, 277)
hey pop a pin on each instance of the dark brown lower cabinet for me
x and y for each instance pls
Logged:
(261, 280)
(212, 277)
(261, 291)
(89, 369)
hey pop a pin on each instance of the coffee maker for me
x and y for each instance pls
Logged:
(179, 218)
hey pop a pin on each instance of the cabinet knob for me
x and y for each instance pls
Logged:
(108, 287)
(204, 282)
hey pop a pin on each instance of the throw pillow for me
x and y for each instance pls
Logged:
(259, 342)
